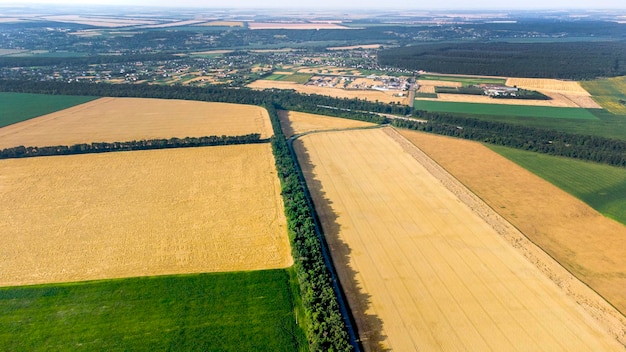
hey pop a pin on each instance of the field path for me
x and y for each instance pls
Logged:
(421, 269)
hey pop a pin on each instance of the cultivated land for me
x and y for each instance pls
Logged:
(17, 107)
(124, 214)
(246, 311)
(609, 92)
(126, 119)
(586, 243)
(371, 95)
(601, 186)
(423, 271)
(506, 109)
(294, 122)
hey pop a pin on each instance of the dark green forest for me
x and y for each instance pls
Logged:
(574, 60)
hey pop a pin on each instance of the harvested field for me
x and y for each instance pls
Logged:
(588, 244)
(544, 84)
(294, 122)
(423, 271)
(371, 95)
(353, 47)
(432, 83)
(126, 119)
(223, 24)
(558, 100)
(126, 214)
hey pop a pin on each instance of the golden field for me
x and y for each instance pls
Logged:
(127, 119)
(294, 122)
(422, 270)
(585, 242)
(546, 84)
(127, 214)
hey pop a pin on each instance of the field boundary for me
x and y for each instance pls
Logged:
(589, 300)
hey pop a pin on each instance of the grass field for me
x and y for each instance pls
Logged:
(141, 213)
(601, 186)
(17, 107)
(609, 92)
(127, 119)
(465, 80)
(505, 110)
(296, 77)
(423, 272)
(244, 311)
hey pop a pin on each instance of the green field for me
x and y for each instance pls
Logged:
(505, 110)
(16, 107)
(601, 186)
(610, 93)
(247, 311)
(465, 80)
(296, 77)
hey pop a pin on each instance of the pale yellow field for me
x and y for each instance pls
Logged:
(223, 24)
(126, 119)
(289, 25)
(371, 95)
(429, 83)
(543, 84)
(294, 122)
(558, 100)
(352, 47)
(125, 214)
(422, 270)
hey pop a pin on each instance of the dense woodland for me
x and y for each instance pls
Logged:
(573, 60)
(104, 147)
(584, 147)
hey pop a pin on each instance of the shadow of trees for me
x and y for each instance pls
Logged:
(369, 325)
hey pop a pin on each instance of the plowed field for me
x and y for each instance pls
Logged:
(126, 119)
(125, 214)
(423, 271)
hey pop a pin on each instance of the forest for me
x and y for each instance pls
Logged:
(564, 60)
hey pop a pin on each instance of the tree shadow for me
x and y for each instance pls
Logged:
(369, 326)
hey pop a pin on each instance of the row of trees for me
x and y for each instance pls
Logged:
(569, 60)
(326, 328)
(584, 147)
(104, 147)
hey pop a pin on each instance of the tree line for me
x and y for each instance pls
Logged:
(105, 147)
(326, 330)
(573, 60)
(584, 147)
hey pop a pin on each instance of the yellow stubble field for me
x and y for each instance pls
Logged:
(294, 122)
(588, 244)
(126, 119)
(127, 214)
(421, 269)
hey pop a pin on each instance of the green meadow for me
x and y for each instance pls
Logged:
(245, 311)
(17, 107)
(505, 110)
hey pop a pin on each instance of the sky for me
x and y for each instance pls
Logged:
(355, 4)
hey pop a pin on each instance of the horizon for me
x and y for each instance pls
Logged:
(325, 5)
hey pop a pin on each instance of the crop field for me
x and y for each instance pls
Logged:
(126, 119)
(370, 95)
(304, 25)
(589, 245)
(294, 122)
(248, 311)
(464, 80)
(125, 214)
(17, 107)
(422, 270)
(505, 109)
(544, 84)
(601, 186)
(609, 92)
(294, 77)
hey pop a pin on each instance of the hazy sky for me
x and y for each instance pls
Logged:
(358, 4)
